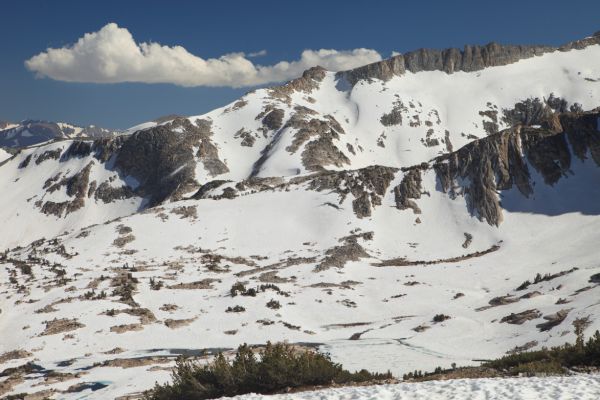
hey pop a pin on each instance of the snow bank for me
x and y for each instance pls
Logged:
(578, 387)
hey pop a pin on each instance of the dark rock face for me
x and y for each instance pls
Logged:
(308, 82)
(248, 138)
(152, 156)
(316, 135)
(394, 117)
(321, 151)
(498, 162)
(471, 58)
(537, 112)
(104, 149)
(76, 187)
(485, 165)
(162, 159)
(490, 126)
(274, 119)
(25, 162)
(307, 129)
(409, 188)
(48, 155)
(107, 193)
(78, 148)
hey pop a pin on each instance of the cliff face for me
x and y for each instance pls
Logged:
(501, 161)
(471, 58)
(161, 159)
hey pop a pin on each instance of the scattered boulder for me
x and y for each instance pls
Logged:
(553, 320)
(520, 318)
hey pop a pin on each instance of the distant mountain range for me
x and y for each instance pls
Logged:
(32, 132)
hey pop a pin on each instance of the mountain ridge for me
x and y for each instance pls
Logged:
(471, 58)
(33, 132)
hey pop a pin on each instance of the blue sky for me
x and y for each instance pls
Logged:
(212, 29)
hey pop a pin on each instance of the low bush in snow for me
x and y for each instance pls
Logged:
(276, 368)
(558, 359)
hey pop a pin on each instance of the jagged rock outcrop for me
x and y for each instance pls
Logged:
(274, 119)
(500, 161)
(367, 186)
(394, 117)
(108, 193)
(409, 188)
(471, 58)
(485, 166)
(308, 82)
(48, 155)
(535, 111)
(349, 250)
(248, 137)
(315, 136)
(162, 159)
(320, 151)
(76, 188)
(78, 148)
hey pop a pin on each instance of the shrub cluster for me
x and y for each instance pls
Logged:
(554, 360)
(274, 304)
(277, 367)
(240, 288)
(440, 318)
(236, 309)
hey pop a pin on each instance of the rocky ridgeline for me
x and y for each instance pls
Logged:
(308, 82)
(162, 161)
(501, 161)
(366, 186)
(471, 58)
(316, 137)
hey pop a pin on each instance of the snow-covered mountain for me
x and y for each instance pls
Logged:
(31, 132)
(436, 207)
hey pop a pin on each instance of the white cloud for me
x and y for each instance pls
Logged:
(111, 55)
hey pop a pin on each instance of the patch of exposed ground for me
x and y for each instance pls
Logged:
(61, 325)
(403, 262)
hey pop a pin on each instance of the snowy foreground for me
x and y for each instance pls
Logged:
(571, 387)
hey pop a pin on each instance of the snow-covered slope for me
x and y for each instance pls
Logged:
(396, 223)
(4, 155)
(29, 133)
